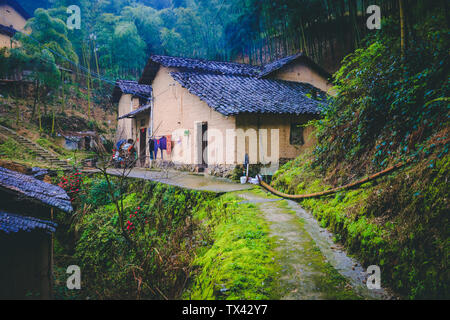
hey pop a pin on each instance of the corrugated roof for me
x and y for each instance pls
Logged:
(231, 95)
(32, 188)
(134, 113)
(13, 223)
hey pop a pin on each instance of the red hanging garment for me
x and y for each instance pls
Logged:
(169, 144)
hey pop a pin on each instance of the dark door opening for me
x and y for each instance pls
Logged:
(205, 144)
(87, 143)
(143, 146)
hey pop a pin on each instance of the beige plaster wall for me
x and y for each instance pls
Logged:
(175, 109)
(127, 103)
(270, 123)
(9, 17)
(297, 71)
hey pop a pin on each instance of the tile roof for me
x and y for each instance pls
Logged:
(134, 113)
(228, 68)
(10, 32)
(277, 64)
(32, 188)
(231, 95)
(131, 87)
(280, 63)
(13, 223)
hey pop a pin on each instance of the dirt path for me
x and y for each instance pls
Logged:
(312, 266)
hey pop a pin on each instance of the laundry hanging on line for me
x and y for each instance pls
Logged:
(163, 143)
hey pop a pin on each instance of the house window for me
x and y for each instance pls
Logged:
(296, 136)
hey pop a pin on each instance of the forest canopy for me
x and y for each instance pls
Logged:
(252, 31)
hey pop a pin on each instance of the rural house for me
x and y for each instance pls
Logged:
(209, 115)
(26, 212)
(12, 17)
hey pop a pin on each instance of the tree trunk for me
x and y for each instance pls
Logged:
(36, 98)
(401, 4)
(63, 104)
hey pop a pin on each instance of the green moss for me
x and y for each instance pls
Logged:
(399, 223)
(239, 263)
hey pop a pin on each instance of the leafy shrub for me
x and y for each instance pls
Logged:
(387, 107)
(72, 184)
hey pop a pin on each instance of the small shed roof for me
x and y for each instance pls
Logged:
(13, 223)
(136, 112)
(31, 188)
(10, 32)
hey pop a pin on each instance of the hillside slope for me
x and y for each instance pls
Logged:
(388, 109)
(35, 122)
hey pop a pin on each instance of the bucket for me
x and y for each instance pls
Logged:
(243, 180)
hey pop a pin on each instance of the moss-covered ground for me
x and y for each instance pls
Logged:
(399, 222)
(261, 250)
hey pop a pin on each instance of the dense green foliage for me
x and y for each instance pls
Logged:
(389, 108)
(257, 30)
(163, 233)
(176, 232)
(399, 223)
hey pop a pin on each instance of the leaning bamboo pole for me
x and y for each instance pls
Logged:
(331, 191)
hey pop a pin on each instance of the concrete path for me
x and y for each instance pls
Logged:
(185, 180)
(312, 266)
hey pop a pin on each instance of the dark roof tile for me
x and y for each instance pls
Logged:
(30, 187)
(228, 68)
(131, 87)
(17, 7)
(280, 63)
(13, 223)
(231, 95)
(10, 32)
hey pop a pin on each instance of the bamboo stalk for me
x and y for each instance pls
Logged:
(402, 27)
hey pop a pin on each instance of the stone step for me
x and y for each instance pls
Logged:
(40, 151)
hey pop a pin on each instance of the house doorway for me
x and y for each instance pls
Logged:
(143, 146)
(205, 144)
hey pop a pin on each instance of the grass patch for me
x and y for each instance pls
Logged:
(239, 264)
(399, 222)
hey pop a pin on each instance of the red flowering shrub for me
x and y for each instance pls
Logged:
(72, 184)
(137, 217)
